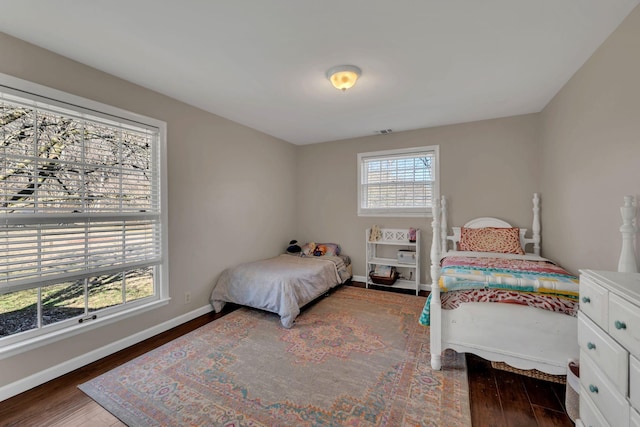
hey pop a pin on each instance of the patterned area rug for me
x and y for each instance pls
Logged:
(358, 357)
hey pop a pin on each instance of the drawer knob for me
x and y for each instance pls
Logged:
(586, 300)
(591, 346)
(593, 389)
(620, 325)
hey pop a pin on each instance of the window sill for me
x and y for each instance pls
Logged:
(35, 342)
(398, 214)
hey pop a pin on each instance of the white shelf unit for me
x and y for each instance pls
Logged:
(380, 252)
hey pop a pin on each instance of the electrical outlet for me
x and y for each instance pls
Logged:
(187, 297)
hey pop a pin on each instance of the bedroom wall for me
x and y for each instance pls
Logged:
(231, 194)
(590, 153)
(487, 168)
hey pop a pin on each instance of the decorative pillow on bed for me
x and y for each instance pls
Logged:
(320, 249)
(491, 239)
(307, 250)
(330, 249)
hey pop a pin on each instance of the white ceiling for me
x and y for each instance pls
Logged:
(262, 63)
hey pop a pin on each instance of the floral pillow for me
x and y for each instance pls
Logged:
(491, 239)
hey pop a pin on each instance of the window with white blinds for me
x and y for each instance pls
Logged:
(398, 182)
(81, 221)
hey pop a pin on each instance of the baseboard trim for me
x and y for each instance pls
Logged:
(49, 374)
(359, 279)
(363, 279)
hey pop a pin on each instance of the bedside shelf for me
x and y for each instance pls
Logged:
(394, 237)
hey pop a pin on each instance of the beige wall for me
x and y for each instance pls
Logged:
(488, 168)
(231, 194)
(590, 158)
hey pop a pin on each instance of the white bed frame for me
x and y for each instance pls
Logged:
(627, 262)
(522, 337)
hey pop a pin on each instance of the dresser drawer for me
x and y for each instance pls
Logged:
(594, 300)
(634, 382)
(589, 414)
(612, 358)
(597, 387)
(634, 420)
(624, 323)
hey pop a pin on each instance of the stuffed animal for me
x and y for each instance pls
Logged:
(375, 234)
(293, 247)
(307, 250)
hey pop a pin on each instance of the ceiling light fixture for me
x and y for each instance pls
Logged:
(343, 77)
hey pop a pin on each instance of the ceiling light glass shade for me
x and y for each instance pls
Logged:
(343, 77)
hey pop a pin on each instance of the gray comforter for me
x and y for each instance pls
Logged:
(280, 285)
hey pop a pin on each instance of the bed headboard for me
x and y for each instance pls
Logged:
(490, 222)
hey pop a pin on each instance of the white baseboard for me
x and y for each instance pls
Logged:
(42, 377)
(363, 279)
(359, 279)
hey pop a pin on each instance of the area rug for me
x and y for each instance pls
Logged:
(357, 357)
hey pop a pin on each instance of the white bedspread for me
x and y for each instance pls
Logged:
(281, 285)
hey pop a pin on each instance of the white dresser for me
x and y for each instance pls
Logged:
(609, 339)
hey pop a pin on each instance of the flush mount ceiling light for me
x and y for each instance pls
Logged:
(343, 77)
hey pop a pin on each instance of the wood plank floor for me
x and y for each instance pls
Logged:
(498, 398)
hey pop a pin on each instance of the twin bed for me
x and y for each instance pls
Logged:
(497, 301)
(281, 285)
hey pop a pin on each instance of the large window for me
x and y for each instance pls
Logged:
(398, 182)
(81, 217)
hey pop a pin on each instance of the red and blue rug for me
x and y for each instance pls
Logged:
(358, 357)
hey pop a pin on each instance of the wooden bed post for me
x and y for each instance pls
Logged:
(627, 261)
(434, 306)
(536, 224)
(443, 226)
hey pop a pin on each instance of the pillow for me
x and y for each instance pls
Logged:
(329, 249)
(307, 250)
(491, 239)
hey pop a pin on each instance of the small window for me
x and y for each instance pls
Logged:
(82, 222)
(398, 182)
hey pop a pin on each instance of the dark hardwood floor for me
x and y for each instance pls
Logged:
(498, 398)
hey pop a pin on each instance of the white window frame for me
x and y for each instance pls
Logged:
(399, 211)
(28, 340)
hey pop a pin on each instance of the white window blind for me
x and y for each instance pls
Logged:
(79, 196)
(397, 182)
(81, 216)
